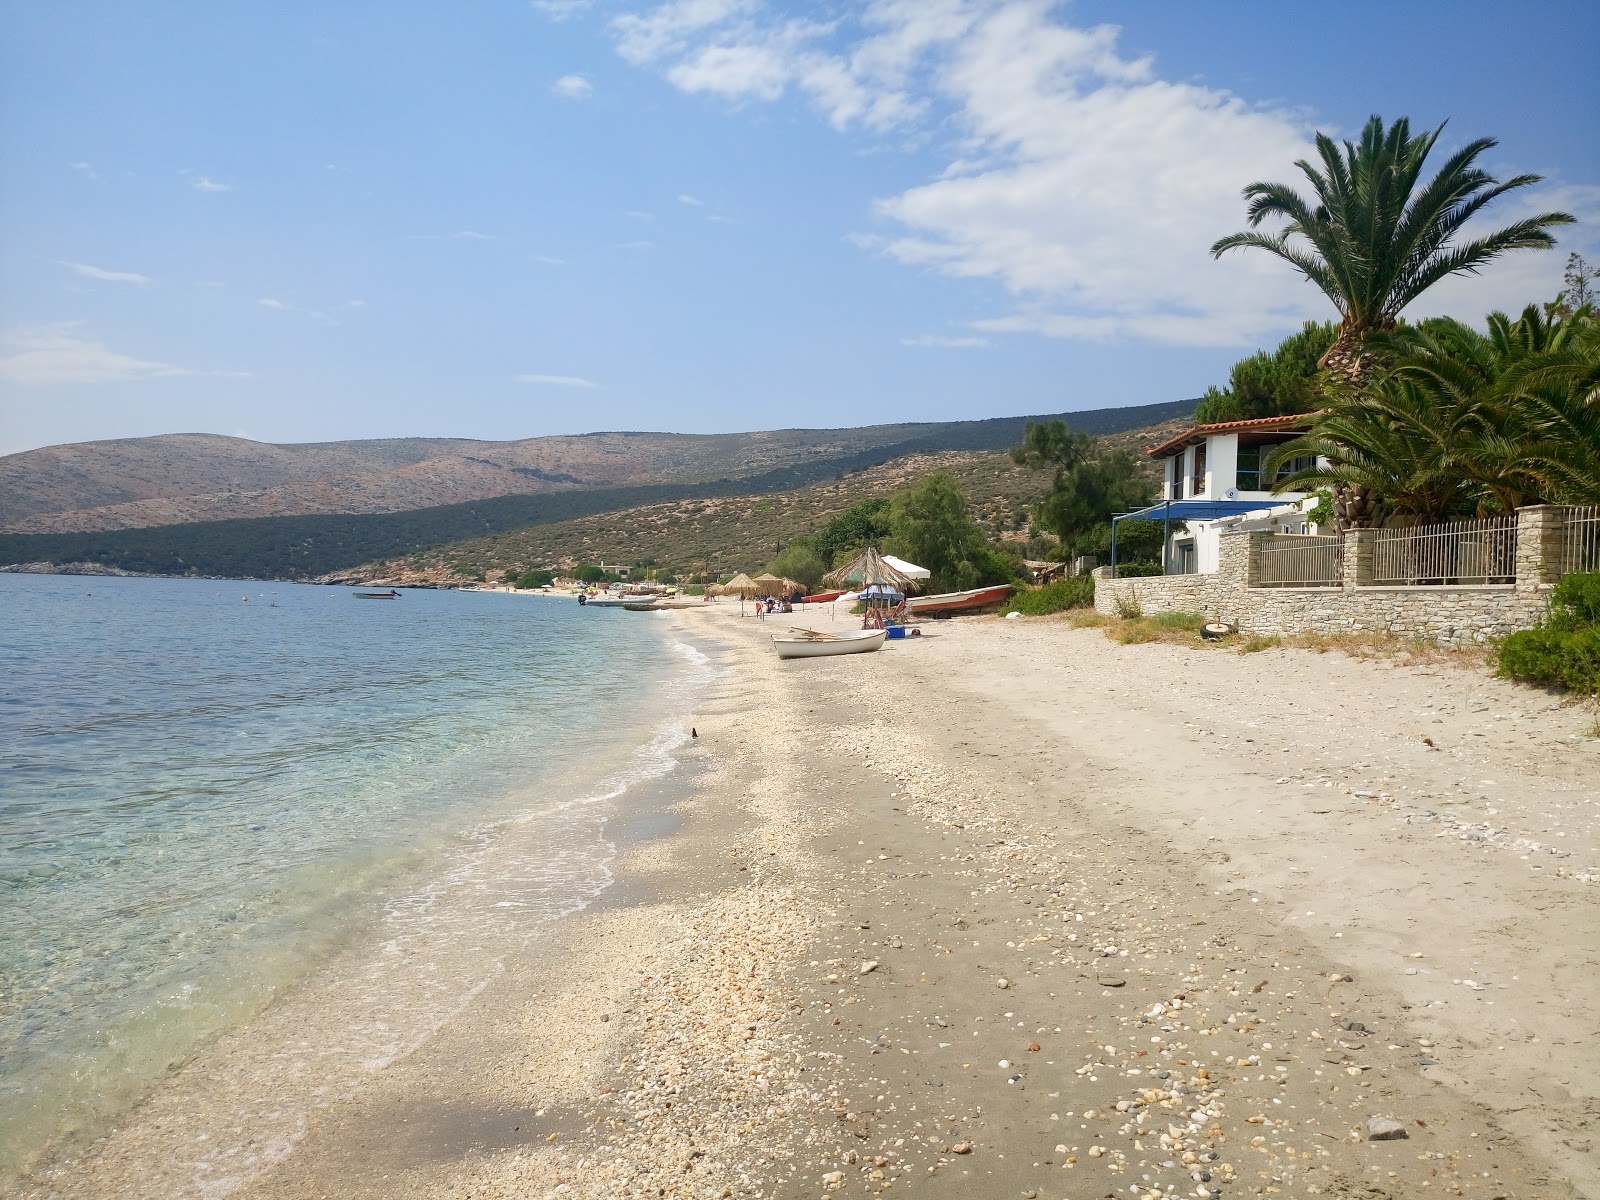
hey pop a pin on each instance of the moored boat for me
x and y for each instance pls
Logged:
(609, 601)
(803, 644)
(391, 594)
(945, 603)
(639, 603)
(821, 597)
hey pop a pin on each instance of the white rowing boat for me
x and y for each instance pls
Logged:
(806, 644)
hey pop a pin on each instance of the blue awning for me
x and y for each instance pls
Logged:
(1201, 510)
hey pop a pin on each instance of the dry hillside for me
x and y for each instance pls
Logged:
(180, 478)
(733, 533)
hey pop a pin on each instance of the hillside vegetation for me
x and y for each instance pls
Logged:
(196, 478)
(719, 535)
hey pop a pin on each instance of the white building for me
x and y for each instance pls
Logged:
(1212, 483)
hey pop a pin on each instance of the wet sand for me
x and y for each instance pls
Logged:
(1013, 910)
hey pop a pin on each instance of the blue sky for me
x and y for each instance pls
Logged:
(300, 222)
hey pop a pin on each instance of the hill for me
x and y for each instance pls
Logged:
(193, 479)
(733, 533)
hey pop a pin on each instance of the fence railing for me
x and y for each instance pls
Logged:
(1460, 552)
(1580, 550)
(1299, 560)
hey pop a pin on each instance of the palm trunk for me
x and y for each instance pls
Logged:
(1354, 507)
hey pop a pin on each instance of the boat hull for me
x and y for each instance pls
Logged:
(605, 602)
(974, 600)
(822, 597)
(844, 643)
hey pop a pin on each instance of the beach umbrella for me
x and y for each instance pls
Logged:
(740, 585)
(867, 569)
(769, 583)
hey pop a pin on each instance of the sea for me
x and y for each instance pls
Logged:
(217, 795)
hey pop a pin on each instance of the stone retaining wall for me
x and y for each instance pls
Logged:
(1452, 616)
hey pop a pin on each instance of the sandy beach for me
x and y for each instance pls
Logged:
(1013, 910)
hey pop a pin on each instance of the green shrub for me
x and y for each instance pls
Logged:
(1563, 650)
(1257, 642)
(1137, 570)
(534, 579)
(1077, 592)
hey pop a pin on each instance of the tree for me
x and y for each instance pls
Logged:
(1272, 384)
(931, 527)
(1090, 484)
(1455, 421)
(1374, 237)
(589, 573)
(534, 579)
(845, 534)
(799, 562)
(1578, 290)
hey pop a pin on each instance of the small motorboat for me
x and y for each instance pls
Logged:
(947, 603)
(640, 603)
(822, 597)
(391, 594)
(609, 601)
(806, 643)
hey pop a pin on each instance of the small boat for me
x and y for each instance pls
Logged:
(822, 597)
(391, 594)
(946, 603)
(640, 603)
(609, 601)
(804, 643)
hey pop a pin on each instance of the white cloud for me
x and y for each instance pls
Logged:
(51, 354)
(572, 87)
(86, 169)
(460, 235)
(943, 342)
(1078, 178)
(566, 381)
(206, 184)
(560, 10)
(89, 272)
(276, 305)
(548, 261)
(640, 245)
(691, 201)
(640, 215)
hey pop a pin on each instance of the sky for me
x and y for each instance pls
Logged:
(499, 219)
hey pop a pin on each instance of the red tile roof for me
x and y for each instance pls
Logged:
(1295, 422)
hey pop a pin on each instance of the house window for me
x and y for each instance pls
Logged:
(1175, 478)
(1197, 485)
(1247, 477)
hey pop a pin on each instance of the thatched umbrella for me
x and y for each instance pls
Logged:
(769, 584)
(868, 569)
(742, 586)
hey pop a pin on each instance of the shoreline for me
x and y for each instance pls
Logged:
(1217, 963)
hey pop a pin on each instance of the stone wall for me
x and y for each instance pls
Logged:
(1452, 616)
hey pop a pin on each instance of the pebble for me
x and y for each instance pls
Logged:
(1385, 1129)
(868, 967)
(1002, 984)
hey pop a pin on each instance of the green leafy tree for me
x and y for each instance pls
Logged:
(589, 573)
(1089, 487)
(1272, 384)
(932, 527)
(1374, 236)
(534, 579)
(843, 535)
(799, 562)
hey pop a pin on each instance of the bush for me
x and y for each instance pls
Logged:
(534, 579)
(1077, 592)
(1137, 570)
(1563, 650)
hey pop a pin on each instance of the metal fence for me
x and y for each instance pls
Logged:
(1459, 552)
(1581, 546)
(1299, 560)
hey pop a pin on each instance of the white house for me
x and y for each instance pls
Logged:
(1212, 483)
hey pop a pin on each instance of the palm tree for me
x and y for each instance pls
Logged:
(1375, 237)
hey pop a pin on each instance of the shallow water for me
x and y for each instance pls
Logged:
(203, 799)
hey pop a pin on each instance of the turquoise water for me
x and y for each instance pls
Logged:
(205, 799)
